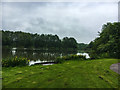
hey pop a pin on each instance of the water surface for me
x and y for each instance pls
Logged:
(37, 55)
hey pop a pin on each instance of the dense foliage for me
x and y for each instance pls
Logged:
(28, 40)
(107, 45)
(15, 61)
(82, 47)
(70, 57)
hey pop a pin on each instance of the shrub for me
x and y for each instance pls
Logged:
(70, 57)
(15, 61)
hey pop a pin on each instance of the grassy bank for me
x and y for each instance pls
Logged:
(70, 74)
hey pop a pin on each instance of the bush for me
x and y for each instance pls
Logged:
(15, 61)
(70, 57)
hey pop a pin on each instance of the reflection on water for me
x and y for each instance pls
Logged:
(37, 56)
(35, 62)
(13, 52)
(41, 62)
(48, 64)
(86, 54)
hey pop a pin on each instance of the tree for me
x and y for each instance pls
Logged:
(108, 43)
(69, 43)
(43, 41)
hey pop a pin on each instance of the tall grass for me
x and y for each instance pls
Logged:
(15, 61)
(70, 57)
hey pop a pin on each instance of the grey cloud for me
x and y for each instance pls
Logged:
(79, 20)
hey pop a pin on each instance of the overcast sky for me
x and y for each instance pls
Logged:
(81, 20)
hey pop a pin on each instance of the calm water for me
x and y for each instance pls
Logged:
(38, 56)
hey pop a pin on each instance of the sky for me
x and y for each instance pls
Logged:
(81, 20)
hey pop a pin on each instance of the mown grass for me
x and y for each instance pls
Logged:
(70, 74)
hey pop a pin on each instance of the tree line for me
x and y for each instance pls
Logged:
(107, 44)
(29, 40)
(82, 47)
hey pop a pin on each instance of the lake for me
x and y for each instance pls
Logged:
(37, 55)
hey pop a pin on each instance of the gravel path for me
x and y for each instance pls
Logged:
(115, 67)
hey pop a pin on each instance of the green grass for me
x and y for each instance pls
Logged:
(70, 74)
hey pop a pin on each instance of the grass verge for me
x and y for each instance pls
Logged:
(70, 74)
